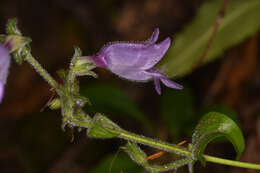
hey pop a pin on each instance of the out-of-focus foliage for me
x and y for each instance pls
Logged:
(111, 100)
(177, 111)
(240, 21)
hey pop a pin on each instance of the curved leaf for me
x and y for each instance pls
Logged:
(214, 125)
(240, 21)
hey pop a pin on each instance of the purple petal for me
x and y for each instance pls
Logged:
(171, 84)
(1, 91)
(131, 73)
(4, 67)
(153, 54)
(99, 61)
(4, 63)
(165, 81)
(154, 37)
(134, 55)
(157, 85)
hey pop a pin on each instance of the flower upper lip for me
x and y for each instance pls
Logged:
(140, 55)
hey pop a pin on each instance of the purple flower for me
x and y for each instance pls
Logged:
(136, 61)
(4, 66)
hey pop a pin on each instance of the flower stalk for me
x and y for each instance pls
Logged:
(37, 66)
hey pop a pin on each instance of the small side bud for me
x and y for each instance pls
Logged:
(54, 104)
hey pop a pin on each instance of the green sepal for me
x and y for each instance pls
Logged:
(135, 152)
(19, 55)
(102, 127)
(86, 72)
(12, 27)
(17, 42)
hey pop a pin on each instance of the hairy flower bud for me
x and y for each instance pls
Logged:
(136, 61)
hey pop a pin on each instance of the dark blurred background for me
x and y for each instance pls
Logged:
(33, 141)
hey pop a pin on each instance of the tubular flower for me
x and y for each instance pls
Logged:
(136, 61)
(4, 66)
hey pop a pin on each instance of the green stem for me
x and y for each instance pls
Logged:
(154, 143)
(176, 149)
(232, 162)
(29, 58)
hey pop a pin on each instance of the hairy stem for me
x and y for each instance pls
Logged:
(232, 162)
(153, 143)
(37, 66)
(176, 149)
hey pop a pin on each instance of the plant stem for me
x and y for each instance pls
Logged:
(232, 162)
(154, 143)
(176, 149)
(131, 136)
(29, 58)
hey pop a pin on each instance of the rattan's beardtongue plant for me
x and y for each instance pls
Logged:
(136, 61)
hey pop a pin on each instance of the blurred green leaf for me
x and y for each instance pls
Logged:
(212, 126)
(122, 163)
(240, 21)
(111, 100)
(177, 111)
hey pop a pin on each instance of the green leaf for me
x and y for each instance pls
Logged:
(122, 163)
(240, 21)
(176, 109)
(113, 101)
(212, 126)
